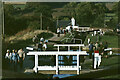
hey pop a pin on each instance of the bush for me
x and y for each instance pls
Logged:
(34, 25)
(13, 25)
(99, 21)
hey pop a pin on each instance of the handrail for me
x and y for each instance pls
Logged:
(68, 44)
(57, 53)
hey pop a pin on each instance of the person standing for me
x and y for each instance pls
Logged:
(64, 32)
(97, 59)
(105, 47)
(40, 46)
(7, 58)
(88, 41)
(61, 30)
(58, 32)
(45, 46)
(35, 40)
(91, 50)
(96, 45)
(101, 49)
(21, 54)
(72, 21)
(95, 32)
(42, 39)
(15, 59)
(8, 55)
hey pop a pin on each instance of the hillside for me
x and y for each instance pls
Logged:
(24, 35)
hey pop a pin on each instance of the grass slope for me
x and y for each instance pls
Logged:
(111, 39)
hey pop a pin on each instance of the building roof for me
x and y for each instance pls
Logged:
(63, 23)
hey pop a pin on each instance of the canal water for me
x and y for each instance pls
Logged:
(63, 75)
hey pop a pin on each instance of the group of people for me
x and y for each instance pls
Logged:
(64, 31)
(15, 57)
(99, 47)
(40, 43)
(61, 31)
(96, 51)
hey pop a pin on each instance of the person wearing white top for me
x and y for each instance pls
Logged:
(58, 32)
(73, 21)
(88, 40)
(42, 39)
(8, 59)
(21, 54)
(95, 32)
(45, 46)
(8, 54)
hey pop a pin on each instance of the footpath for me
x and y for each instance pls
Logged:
(56, 38)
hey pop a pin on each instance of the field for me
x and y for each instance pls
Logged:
(111, 39)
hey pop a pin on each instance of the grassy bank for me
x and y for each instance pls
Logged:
(111, 39)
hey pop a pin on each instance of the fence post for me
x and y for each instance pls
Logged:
(68, 48)
(74, 40)
(57, 63)
(36, 63)
(79, 48)
(77, 63)
(58, 48)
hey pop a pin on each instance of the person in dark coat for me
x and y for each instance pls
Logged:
(101, 49)
(35, 40)
(91, 50)
(40, 45)
(105, 47)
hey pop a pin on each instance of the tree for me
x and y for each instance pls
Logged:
(113, 22)
(69, 9)
(99, 14)
(84, 14)
(87, 13)
(12, 24)
(115, 8)
(119, 12)
(38, 9)
(9, 9)
(99, 21)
